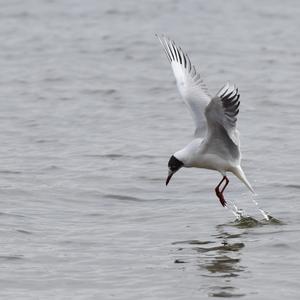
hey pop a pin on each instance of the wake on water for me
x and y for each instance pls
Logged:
(245, 220)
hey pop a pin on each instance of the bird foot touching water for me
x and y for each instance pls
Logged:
(221, 198)
(220, 193)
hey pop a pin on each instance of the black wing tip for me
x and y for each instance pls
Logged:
(229, 94)
(230, 101)
(173, 52)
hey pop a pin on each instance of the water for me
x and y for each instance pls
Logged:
(89, 116)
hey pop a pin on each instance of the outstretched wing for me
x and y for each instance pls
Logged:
(222, 111)
(189, 83)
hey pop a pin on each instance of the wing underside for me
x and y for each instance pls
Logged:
(189, 83)
(221, 114)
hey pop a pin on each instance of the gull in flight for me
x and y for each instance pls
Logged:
(216, 145)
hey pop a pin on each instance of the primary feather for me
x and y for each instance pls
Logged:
(205, 110)
(189, 83)
(223, 110)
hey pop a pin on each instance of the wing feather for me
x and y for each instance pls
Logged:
(223, 110)
(189, 83)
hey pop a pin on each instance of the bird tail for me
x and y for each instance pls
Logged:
(239, 173)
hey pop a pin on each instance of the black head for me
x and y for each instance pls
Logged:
(174, 165)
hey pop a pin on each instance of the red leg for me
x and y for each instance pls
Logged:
(220, 193)
(227, 181)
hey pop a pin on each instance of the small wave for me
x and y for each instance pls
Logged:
(122, 197)
(294, 186)
(22, 15)
(4, 214)
(224, 294)
(115, 50)
(10, 172)
(65, 98)
(224, 247)
(23, 231)
(226, 235)
(44, 141)
(51, 168)
(112, 11)
(54, 79)
(193, 242)
(111, 155)
(104, 92)
(11, 257)
(157, 90)
(115, 156)
(282, 246)
(95, 215)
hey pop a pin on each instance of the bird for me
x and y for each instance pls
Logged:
(216, 144)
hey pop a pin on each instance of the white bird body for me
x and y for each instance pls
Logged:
(197, 154)
(216, 145)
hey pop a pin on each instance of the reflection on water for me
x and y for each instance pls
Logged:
(221, 257)
(223, 248)
(225, 293)
(225, 263)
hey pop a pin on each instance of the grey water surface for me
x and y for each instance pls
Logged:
(89, 116)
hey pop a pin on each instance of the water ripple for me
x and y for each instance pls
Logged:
(123, 197)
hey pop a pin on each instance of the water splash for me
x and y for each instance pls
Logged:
(241, 214)
(237, 212)
(244, 220)
(272, 221)
(265, 214)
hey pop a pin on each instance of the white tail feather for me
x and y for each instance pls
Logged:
(239, 173)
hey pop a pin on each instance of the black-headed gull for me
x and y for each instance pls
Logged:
(216, 144)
